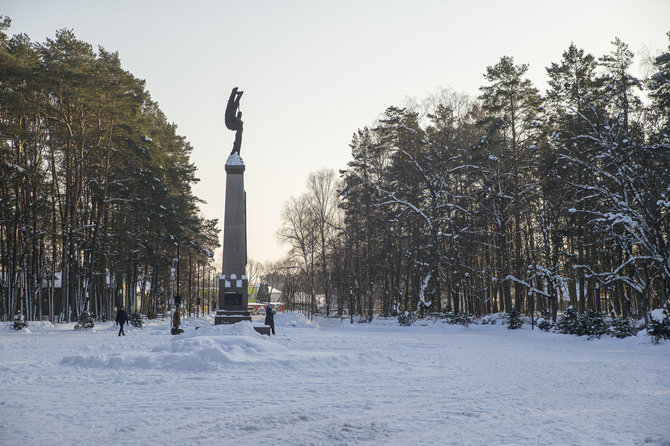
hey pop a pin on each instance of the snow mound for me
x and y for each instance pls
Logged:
(9, 327)
(196, 321)
(207, 352)
(294, 319)
(40, 325)
(215, 347)
(238, 329)
(189, 354)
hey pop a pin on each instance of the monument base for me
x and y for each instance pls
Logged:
(233, 299)
(231, 317)
(262, 329)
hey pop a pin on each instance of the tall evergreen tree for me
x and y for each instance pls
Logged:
(572, 104)
(96, 185)
(511, 104)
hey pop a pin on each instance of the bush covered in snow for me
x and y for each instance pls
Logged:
(622, 328)
(568, 323)
(591, 324)
(461, 318)
(135, 319)
(86, 320)
(545, 323)
(406, 318)
(19, 321)
(514, 319)
(659, 326)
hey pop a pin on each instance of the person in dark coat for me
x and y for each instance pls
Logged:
(270, 317)
(176, 322)
(121, 318)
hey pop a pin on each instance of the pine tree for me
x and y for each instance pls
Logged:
(95, 182)
(572, 103)
(86, 321)
(660, 325)
(514, 319)
(622, 328)
(511, 104)
(591, 324)
(568, 323)
(135, 319)
(545, 323)
(19, 321)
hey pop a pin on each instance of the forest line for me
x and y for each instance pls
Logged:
(95, 190)
(481, 205)
(460, 204)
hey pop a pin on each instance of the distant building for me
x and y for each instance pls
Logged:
(255, 290)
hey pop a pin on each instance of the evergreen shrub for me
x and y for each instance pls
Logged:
(589, 324)
(514, 319)
(659, 326)
(461, 318)
(86, 320)
(406, 319)
(545, 323)
(568, 323)
(135, 319)
(592, 325)
(622, 328)
(19, 321)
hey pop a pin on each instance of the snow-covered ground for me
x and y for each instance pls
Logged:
(329, 383)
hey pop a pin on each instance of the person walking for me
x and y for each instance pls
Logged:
(270, 317)
(121, 318)
(176, 322)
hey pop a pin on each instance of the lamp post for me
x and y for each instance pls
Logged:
(351, 305)
(173, 270)
(598, 295)
(531, 297)
(178, 275)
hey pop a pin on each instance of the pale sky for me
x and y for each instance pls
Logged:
(313, 72)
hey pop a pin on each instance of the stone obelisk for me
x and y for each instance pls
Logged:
(233, 283)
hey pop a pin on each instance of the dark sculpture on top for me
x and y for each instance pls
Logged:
(234, 118)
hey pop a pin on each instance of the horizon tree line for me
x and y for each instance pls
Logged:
(460, 204)
(95, 186)
(485, 204)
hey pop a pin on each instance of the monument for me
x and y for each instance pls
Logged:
(233, 283)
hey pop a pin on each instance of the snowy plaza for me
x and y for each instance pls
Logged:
(328, 382)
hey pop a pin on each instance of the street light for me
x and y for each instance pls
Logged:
(531, 297)
(172, 274)
(598, 295)
(351, 305)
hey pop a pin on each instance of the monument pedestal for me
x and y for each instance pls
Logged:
(233, 300)
(262, 329)
(234, 284)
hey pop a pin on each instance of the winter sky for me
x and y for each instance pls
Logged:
(313, 72)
